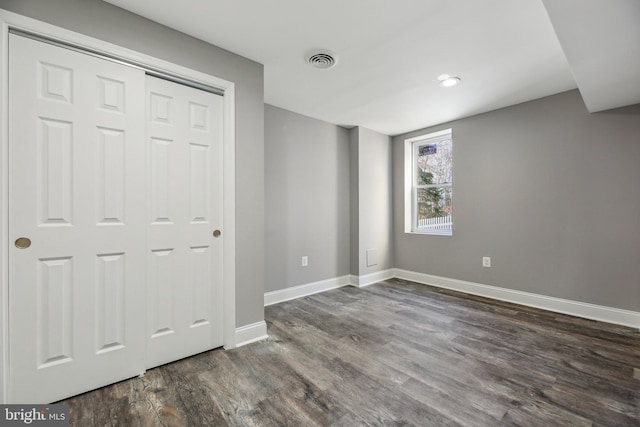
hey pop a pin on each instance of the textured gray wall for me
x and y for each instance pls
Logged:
(550, 192)
(106, 22)
(375, 213)
(307, 199)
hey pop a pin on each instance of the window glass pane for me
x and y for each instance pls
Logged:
(434, 208)
(434, 161)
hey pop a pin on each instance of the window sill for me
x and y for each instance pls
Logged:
(431, 232)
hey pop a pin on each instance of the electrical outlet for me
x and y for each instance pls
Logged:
(486, 261)
(305, 261)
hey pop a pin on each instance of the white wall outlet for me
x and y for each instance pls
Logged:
(486, 261)
(305, 261)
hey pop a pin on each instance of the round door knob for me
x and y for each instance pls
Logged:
(217, 233)
(23, 242)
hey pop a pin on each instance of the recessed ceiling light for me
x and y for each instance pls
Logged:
(449, 81)
(443, 77)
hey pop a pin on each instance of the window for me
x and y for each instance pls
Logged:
(429, 184)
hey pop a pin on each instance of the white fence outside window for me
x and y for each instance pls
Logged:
(440, 223)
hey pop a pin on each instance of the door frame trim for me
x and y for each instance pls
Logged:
(13, 20)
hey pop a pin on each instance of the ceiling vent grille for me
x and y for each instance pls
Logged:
(322, 59)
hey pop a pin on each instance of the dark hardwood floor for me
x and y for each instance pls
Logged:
(394, 353)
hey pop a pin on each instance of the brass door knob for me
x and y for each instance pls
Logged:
(217, 233)
(23, 242)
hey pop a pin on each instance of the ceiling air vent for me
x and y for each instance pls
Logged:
(322, 58)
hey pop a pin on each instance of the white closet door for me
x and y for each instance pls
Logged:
(77, 315)
(184, 131)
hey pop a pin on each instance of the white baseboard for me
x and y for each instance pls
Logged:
(300, 291)
(251, 333)
(558, 305)
(370, 279)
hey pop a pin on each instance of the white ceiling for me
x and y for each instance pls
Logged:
(602, 45)
(390, 54)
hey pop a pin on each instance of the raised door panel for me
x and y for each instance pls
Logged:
(54, 167)
(54, 311)
(160, 188)
(110, 176)
(163, 276)
(199, 191)
(110, 302)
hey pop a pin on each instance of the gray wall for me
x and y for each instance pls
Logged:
(374, 202)
(106, 22)
(307, 199)
(354, 138)
(550, 192)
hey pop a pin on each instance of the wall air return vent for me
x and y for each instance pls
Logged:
(322, 58)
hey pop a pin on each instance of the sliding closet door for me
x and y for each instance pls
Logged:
(184, 143)
(77, 309)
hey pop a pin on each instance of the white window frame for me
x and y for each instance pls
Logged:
(410, 184)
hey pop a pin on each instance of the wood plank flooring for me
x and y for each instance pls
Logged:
(394, 353)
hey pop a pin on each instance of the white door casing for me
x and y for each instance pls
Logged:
(184, 138)
(76, 152)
